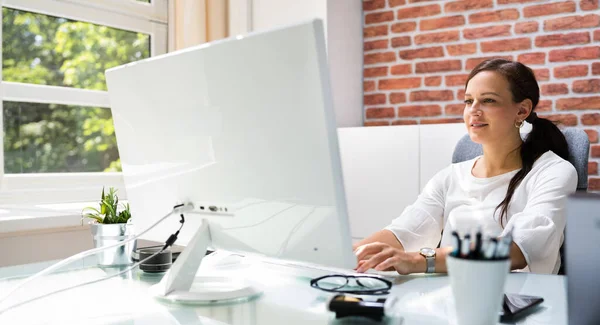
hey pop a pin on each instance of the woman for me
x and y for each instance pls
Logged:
(517, 185)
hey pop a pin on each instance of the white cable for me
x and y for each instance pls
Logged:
(69, 260)
(82, 284)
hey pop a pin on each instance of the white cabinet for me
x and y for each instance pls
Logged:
(385, 169)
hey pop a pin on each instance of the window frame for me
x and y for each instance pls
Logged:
(37, 188)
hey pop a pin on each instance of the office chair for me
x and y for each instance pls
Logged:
(579, 148)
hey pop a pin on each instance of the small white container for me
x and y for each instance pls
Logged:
(478, 289)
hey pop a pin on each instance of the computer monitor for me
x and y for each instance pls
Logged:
(244, 129)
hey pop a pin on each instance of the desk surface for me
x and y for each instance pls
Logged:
(287, 299)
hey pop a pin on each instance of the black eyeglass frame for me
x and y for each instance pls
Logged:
(314, 284)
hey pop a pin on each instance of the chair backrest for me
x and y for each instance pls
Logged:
(579, 148)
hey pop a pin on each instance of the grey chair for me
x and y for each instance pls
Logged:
(579, 148)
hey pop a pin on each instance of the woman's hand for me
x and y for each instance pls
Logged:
(383, 257)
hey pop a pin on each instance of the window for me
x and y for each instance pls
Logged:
(59, 142)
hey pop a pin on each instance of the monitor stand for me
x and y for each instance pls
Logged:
(178, 285)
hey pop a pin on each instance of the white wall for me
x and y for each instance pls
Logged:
(343, 29)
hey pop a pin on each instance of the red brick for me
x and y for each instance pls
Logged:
(440, 37)
(456, 80)
(444, 22)
(549, 9)
(404, 27)
(592, 134)
(404, 122)
(419, 110)
(541, 74)
(375, 72)
(439, 66)
(368, 86)
(431, 95)
(442, 120)
(401, 69)
(473, 62)
(396, 98)
(591, 119)
(562, 39)
(374, 31)
(597, 35)
(423, 11)
(374, 99)
(400, 83)
(544, 106)
(375, 45)
(572, 22)
(426, 52)
(593, 184)
(383, 112)
(464, 5)
(588, 4)
(561, 119)
(506, 45)
(369, 5)
(395, 3)
(596, 151)
(492, 16)
(596, 68)
(587, 86)
(401, 41)
(377, 123)
(532, 58)
(527, 27)
(379, 17)
(578, 103)
(579, 53)
(460, 94)
(454, 109)
(380, 57)
(554, 89)
(433, 81)
(571, 71)
(592, 168)
(484, 32)
(461, 49)
(504, 2)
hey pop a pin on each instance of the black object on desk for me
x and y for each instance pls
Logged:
(345, 306)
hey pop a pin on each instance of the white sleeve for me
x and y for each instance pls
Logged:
(420, 224)
(538, 229)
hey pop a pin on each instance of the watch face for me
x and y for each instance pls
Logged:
(427, 252)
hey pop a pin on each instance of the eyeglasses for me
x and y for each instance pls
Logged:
(355, 284)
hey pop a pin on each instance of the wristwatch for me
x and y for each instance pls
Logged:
(429, 255)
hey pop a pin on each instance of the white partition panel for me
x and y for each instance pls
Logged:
(437, 142)
(381, 174)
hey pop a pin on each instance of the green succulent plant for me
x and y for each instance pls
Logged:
(108, 212)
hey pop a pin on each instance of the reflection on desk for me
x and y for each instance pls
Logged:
(288, 299)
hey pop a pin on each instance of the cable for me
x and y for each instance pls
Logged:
(181, 207)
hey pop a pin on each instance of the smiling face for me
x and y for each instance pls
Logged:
(490, 113)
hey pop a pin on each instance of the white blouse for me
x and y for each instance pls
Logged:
(454, 199)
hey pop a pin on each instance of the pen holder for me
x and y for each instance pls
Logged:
(478, 288)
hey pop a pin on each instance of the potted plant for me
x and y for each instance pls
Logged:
(111, 223)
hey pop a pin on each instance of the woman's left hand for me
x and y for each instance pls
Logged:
(383, 257)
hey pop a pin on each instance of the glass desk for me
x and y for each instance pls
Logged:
(287, 299)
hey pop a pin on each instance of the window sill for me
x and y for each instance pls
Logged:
(43, 217)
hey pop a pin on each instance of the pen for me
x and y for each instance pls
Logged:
(491, 248)
(465, 249)
(503, 247)
(477, 246)
(455, 244)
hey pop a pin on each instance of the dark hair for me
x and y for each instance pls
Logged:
(544, 134)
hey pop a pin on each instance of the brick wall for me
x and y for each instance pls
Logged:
(418, 53)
